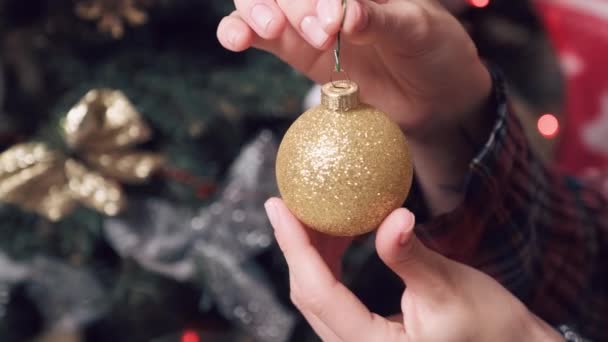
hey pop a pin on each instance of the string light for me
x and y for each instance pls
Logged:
(548, 125)
(190, 336)
(479, 3)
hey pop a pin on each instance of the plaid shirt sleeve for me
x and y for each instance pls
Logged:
(543, 235)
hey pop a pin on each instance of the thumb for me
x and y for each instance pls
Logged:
(420, 268)
(368, 21)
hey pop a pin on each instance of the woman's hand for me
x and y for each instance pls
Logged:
(411, 58)
(444, 300)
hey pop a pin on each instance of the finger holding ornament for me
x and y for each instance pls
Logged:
(316, 23)
(330, 249)
(312, 27)
(236, 35)
(378, 23)
(315, 290)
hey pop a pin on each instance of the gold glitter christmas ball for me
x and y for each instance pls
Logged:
(343, 166)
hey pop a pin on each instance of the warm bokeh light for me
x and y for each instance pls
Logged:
(548, 125)
(190, 336)
(479, 3)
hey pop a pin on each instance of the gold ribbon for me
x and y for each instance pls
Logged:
(101, 131)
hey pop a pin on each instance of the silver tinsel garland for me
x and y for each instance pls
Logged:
(215, 246)
(67, 297)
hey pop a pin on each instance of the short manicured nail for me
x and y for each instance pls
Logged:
(311, 26)
(232, 36)
(328, 11)
(272, 212)
(262, 16)
(405, 235)
(363, 19)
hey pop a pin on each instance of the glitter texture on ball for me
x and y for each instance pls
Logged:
(343, 166)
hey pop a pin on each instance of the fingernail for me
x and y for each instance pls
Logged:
(313, 31)
(363, 19)
(262, 16)
(232, 36)
(272, 212)
(403, 237)
(328, 11)
(408, 226)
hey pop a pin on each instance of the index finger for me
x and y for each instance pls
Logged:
(314, 287)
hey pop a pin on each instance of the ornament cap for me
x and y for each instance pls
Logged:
(340, 95)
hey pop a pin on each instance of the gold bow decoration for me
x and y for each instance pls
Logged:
(100, 132)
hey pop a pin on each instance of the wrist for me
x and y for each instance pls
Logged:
(442, 155)
(478, 121)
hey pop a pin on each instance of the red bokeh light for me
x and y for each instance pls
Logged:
(190, 336)
(479, 3)
(548, 125)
